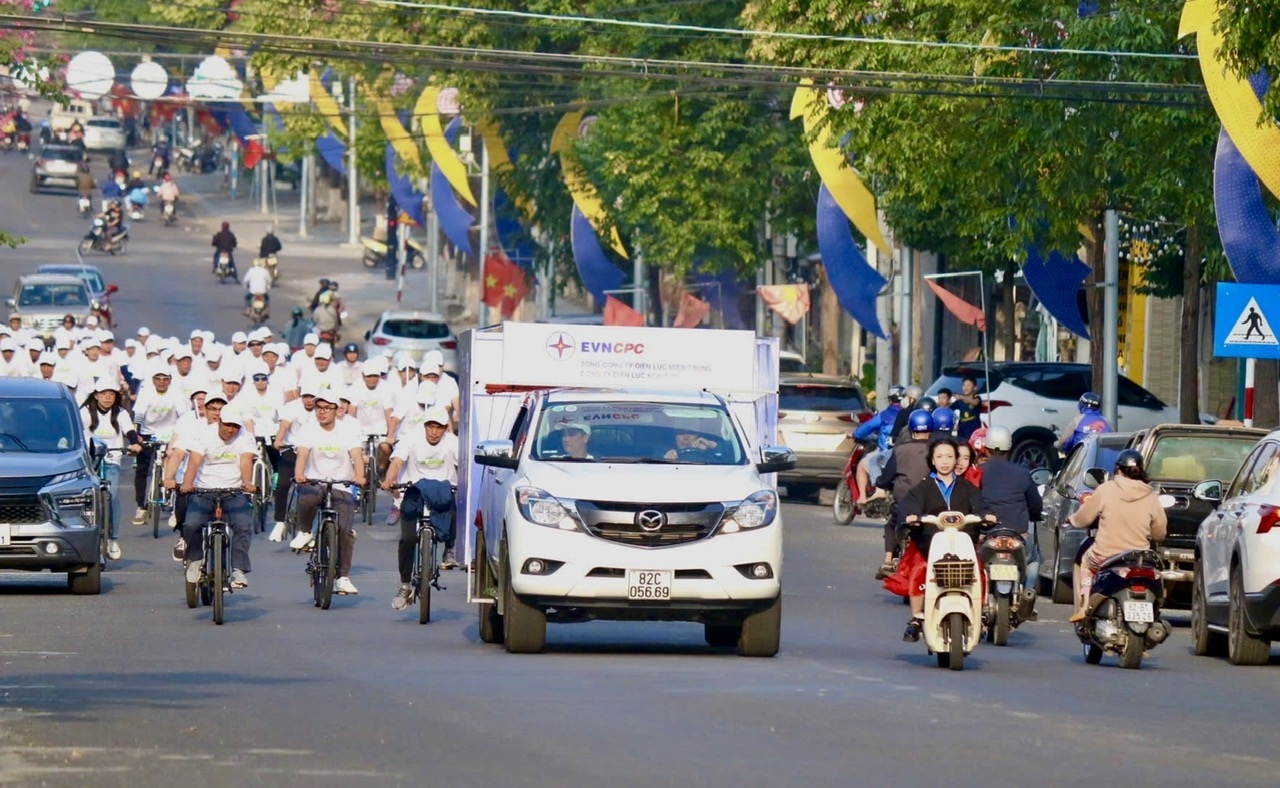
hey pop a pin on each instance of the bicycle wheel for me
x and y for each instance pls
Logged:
(426, 564)
(369, 494)
(108, 520)
(155, 511)
(218, 573)
(328, 561)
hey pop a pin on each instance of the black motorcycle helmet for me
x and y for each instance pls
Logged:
(351, 347)
(324, 282)
(297, 311)
(927, 404)
(333, 284)
(896, 393)
(1129, 462)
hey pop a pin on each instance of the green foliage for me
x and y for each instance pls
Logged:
(1251, 43)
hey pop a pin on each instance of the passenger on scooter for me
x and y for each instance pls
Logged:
(909, 400)
(1088, 422)
(881, 425)
(908, 465)
(942, 491)
(1012, 496)
(1129, 517)
(967, 467)
(925, 404)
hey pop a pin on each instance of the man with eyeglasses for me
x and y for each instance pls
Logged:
(330, 449)
(156, 412)
(295, 417)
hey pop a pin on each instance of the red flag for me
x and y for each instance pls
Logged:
(504, 284)
(964, 311)
(252, 154)
(617, 313)
(693, 311)
(789, 301)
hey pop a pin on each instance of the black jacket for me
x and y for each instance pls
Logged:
(270, 245)
(224, 241)
(926, 498)
(1010, 494)
(908, 464)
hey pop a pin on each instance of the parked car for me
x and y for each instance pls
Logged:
(48, 492)
(1036, 399)
(1059, 544)
(415, 333)
(816, 413)
(104, 134)
(43, 300)
(1177, 458)
(1235, 607)
(56, 165)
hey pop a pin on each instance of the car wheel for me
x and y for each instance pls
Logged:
(1242, 647)
(87, 583)
(1204, 641)
(1059, 591)
(1035, 454)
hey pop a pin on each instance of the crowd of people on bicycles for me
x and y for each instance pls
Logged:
(204, 413)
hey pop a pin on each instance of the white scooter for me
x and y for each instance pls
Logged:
(952, 591)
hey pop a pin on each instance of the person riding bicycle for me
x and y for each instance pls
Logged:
(224, 242)
(295, 417)
(220, 459)
(156, 412)
(1129, 517)
(1089, 421)
(880, 425)
(428, 461)
(104, 418)
(330, 449)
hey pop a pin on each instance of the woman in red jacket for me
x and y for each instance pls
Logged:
(966, 467)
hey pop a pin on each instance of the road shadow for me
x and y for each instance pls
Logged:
(44, 584)
(923, 659)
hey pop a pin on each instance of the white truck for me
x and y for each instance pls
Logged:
(624, 474)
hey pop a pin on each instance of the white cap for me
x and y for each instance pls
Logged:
(197, 334)
(49, 358)
(437, 414)
(144, 332)
(85, 344)
(260, 334)
(106, 336)
(573, 425)
(155, 344)
(230, 414)
(161, 368)
(183, 351)
(239, 336)
(256, 367)
(128, 343)
(324, 351)
(371, 367)
(231, 374)
(91, 321)
(209, 336)
(432, 362)
(104, 384)
(7, 344)
(35, 344)
(275, 347)
(311, 339)
(213, 354)
(426, 393)
(63, 343)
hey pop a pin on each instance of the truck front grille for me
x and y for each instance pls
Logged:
(633, 524)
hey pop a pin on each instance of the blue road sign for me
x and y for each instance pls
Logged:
(1242, 327)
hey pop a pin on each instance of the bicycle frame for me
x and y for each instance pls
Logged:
(215, 582)
(323, 565)
(426, 566)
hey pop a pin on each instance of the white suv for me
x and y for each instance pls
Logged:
(1037, 399)
(1235, 604)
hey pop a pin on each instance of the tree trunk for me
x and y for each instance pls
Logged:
(831, 314)
(1096, 252)
(1009, 328)
(1189, 358)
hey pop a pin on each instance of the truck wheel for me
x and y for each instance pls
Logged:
(1034, 453)
(762, 631)
(524, 626)
(491, 625)
(722, 635)
(88, 583)
(1242, 647)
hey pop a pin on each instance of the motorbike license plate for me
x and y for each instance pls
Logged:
(649, 584)
(1139, 612)
(997, 572)
(6, 533)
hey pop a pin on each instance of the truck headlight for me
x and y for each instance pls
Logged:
(756, 511)
(541, 508)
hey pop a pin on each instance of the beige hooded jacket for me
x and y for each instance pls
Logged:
(1128, 513)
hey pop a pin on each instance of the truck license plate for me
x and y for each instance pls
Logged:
(649, 584)
(6, 533)
(1003, 572)
(1139, 612)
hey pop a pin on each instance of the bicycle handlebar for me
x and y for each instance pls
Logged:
(330, 482)
(218, 492)
(407, 485)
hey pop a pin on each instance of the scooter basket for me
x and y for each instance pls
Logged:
(954, 574)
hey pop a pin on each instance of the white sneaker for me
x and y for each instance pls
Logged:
(180, 549)
(140, 517)
(173, 520)
(393, 516)
(344, 586)
(238, 580)
(194, 570)
(277, 533)
(403, 594)
(302, 541)
(113, 550)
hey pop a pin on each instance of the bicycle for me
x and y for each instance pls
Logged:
(214, 582)
(261, 498)
(157, 497)
(369, 492)
(323, 566)
(426, 564)
(106, 513)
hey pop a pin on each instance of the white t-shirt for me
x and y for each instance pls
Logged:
(411, 416)
(220, 468)
(371, 406)
(329, 451)
(262, 409)
(188, 435)
(109, 435)
(157, 413)
(424, 461)
(299, 419)
(351, 371)
(257, 280)
(191, 382)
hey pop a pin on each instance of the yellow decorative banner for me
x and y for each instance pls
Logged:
(397, 134)
(428, 114)
(327, 106)
(584, 194)
(847, 189)
(500, 161)
(1233, 98)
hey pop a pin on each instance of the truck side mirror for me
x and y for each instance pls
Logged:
(776, 458)
(8, 302)
(1210, 490)
(497, 454)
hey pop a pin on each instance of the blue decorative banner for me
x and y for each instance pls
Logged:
(597, 272)
(408, 199)
(855, 283)
(1056, 281)
(455, 221)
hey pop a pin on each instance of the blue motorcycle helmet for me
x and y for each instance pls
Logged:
(944, 419)
(920, 421)
(1090, 401)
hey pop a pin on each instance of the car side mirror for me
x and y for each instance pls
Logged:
(98, 450)
(1210, 490)
(113, 289)
(367, 334)
(776, 458)
(497, 454)
(1041, 476)
(1094, 477)
(9, 302)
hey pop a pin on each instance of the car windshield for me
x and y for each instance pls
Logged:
(104, 123)
(1194, 458)
(410, 328)
(91, 278)
(53, 295)
(40, 425)
(62, 154)
(637, 432)
(820, 397)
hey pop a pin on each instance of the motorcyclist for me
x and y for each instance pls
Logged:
(1014, 499)
(1089, 421)
(880, 425)
(909, 400)
(325, 316)
(118, 161)
(169, 192)
(112, 189)
(270, 244)
(257, 282)
(315, 299)
(944, 422)
(113, 219)
(297, 330)
(85, 185)
(224, 242)
(159, 151)
(1129, 517)
(908, 465)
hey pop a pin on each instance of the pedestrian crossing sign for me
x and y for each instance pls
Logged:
(1241, 327)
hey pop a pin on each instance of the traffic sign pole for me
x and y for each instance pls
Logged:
(1250, 370)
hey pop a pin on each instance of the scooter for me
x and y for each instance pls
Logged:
(84, 205)
(375, 253)
(223, 268)
(258, 310)
(96, 239)
(272, 263)
(169, 212)
(848, 500)
(952, 591)
(1004, 556)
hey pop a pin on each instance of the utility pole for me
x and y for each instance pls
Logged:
(353, 191)
(905, 314)
(305, 164)
(884, 356)
(485, 219)
(1111, 320)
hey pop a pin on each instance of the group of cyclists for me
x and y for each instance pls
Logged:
(929, 463)
(208, 410)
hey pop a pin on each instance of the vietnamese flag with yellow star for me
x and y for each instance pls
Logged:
(504, 284)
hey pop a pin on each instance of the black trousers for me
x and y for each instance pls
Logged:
(285, 462)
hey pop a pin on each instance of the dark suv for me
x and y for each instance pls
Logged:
(49, 495)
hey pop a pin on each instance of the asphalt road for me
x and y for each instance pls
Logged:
(133, 688)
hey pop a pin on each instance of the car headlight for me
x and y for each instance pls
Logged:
(71, 476)
(541, 508)
(756, 511)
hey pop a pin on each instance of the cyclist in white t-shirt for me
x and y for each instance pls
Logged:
(157, 410)
(221, 458)
(295, 417)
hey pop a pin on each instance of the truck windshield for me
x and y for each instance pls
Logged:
(637, 432)
(38, 295)
(39, 425)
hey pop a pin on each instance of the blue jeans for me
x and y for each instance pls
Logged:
(111, 472)
(236, 512)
